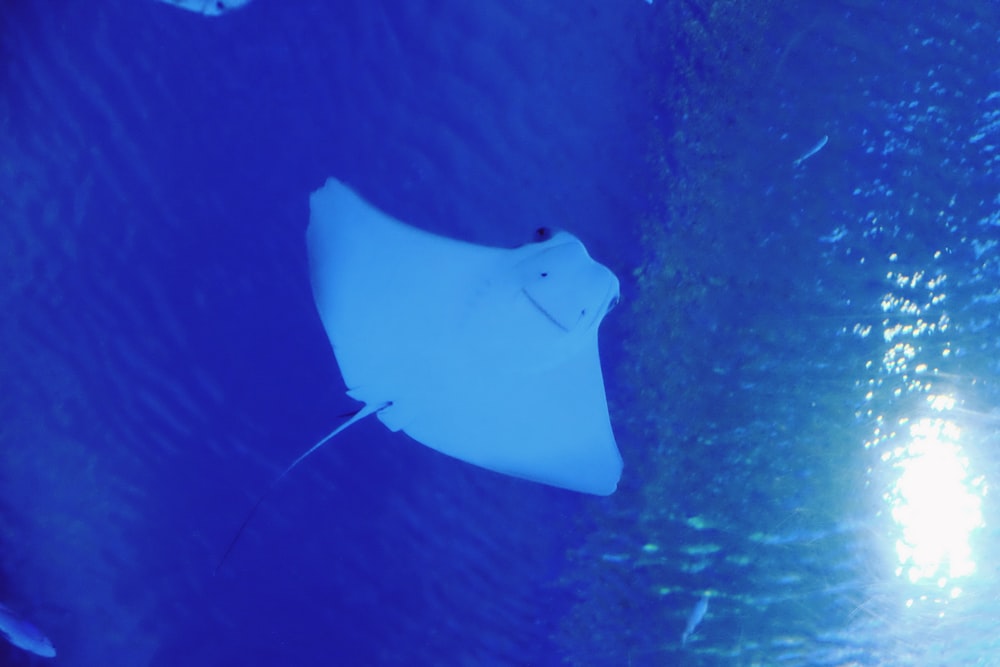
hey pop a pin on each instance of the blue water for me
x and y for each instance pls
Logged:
(162, 358)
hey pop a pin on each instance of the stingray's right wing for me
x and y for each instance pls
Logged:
(388, 293)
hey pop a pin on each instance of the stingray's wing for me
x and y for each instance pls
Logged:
(387, 293)
(548, 425)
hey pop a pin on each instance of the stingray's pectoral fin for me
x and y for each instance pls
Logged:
(358, 416)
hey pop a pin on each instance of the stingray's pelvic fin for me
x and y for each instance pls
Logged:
(358, 416)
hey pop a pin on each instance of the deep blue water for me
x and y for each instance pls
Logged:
(162, 360)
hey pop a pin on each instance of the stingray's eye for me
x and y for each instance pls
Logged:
(542, 234)
(611, 306)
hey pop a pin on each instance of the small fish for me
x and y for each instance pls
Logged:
(694, 619)
(812, 151)
(23, 634)
(836, 235)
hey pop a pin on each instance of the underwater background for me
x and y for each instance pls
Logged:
(801, 200)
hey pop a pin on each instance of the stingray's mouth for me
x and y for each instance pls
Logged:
(544, 312)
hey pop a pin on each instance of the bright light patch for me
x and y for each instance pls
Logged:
(933, 497)
(935, 503)
(941, 403)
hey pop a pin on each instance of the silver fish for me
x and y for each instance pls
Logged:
(23, 634)
(812, 151)
(694, 619)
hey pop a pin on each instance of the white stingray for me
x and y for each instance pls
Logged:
(485, 354)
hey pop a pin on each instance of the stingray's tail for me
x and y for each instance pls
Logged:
(358, 416)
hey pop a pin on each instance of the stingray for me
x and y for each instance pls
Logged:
(489, 355)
